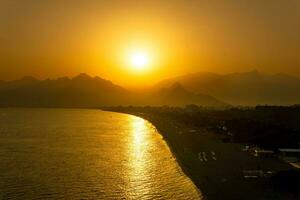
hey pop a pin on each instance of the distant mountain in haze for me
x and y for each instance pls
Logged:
(177, 95)
(249, 88)
(86, 91)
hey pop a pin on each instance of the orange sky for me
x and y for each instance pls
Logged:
(53, 38)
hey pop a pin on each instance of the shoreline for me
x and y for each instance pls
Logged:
(174, 154)
(172, 148)
(219, 173)
(215, 167)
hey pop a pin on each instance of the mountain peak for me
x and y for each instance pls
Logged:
(97, 78)
(177, 86)
(177, 95)
(82, 76)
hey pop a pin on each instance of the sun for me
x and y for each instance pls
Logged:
(139, 60)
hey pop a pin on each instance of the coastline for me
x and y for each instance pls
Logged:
(221, 178)
(174, 153)
(214, 179)
(173, 150)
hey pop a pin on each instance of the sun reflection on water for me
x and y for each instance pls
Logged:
(151, 171)
(138, 133)
(140, 157)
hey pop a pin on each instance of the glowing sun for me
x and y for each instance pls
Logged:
(139, 60)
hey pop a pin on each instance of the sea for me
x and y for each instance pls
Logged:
(86, 154)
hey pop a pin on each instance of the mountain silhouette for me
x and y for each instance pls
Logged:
(249, 88)
(86, 91)
(177, 95)
(80, 91)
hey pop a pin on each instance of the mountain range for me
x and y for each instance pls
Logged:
(80, 91)
(249, 88)
(86, 91)
(205, 89)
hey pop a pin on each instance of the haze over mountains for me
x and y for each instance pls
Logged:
(86, 91)
(177, 95)
(249, 88)
(206, 89)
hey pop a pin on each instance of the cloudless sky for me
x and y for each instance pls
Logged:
(52, 38)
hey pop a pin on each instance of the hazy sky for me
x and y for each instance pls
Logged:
(51, 38)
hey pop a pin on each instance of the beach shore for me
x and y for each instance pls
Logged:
(215, 167)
